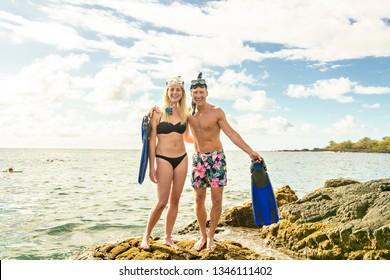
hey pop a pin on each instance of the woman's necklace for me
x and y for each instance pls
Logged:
(169, 109)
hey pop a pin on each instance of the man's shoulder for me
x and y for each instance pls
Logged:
(215, 108)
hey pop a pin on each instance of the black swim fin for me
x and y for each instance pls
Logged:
(260, 178)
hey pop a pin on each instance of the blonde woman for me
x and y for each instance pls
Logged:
(168, 158)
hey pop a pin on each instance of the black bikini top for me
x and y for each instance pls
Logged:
(167, 127)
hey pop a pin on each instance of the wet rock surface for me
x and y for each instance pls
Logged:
(130, 250)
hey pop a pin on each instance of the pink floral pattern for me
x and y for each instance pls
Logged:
(209, 170)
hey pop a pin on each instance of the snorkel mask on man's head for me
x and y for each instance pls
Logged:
(199, 82)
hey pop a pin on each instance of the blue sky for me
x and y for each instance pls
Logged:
(288, 74)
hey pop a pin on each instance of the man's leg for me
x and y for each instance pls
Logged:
(201, 216)
(216, 210)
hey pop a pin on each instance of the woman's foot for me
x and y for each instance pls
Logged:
(210, 244)
(171, 244)
(200, 243)
(145, 244)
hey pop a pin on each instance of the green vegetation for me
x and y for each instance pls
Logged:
(363, 145)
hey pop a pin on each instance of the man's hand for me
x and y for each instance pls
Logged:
(152, 110)
(255, 156)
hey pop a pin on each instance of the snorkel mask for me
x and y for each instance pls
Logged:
(199, 82)
(175, 80)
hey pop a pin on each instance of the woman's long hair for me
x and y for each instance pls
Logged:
(181, 105)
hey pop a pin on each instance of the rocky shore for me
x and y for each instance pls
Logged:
(345, 219)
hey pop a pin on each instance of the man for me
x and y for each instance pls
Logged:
(209, 164)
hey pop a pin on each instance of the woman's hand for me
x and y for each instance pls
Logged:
(153, 175)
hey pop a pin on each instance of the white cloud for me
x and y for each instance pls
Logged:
(265, 75)
(256, 124)
(238, 86)
(273, 133)
(346, 126)
(115, 85)
(101, 22)
(311, 30)
(218, 32)
(230, 78)
(258, 101)
(332, 89)
(371, 90)
(118, 83)
(34, 128)
(46, 80)
(51, 33)
(372, 106)
(216, 51)
(325, 66)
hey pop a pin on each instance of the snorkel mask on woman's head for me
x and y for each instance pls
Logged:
(175, 80)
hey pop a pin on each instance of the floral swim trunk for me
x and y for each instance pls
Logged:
(209, 170)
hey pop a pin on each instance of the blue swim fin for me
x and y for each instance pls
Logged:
(265, 210)
(145, 136)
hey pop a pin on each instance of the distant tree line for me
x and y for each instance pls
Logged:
(363, 145)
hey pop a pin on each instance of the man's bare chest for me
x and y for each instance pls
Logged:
(203, 124)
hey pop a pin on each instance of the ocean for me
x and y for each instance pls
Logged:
(67, 199)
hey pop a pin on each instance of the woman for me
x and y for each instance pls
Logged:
(167, 150)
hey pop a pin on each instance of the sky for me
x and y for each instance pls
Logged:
(288, 74)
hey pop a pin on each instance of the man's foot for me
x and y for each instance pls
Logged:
(210, 244)
(145, 244)
(200, 243)
(171, 244)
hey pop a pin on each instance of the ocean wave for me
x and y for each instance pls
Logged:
(65, 228)
(99, 227)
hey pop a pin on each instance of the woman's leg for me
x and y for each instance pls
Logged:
(179, 177)
(164, 179)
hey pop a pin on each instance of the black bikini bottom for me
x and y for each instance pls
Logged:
(173, 161)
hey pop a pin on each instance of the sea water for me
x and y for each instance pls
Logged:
(66, 200)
